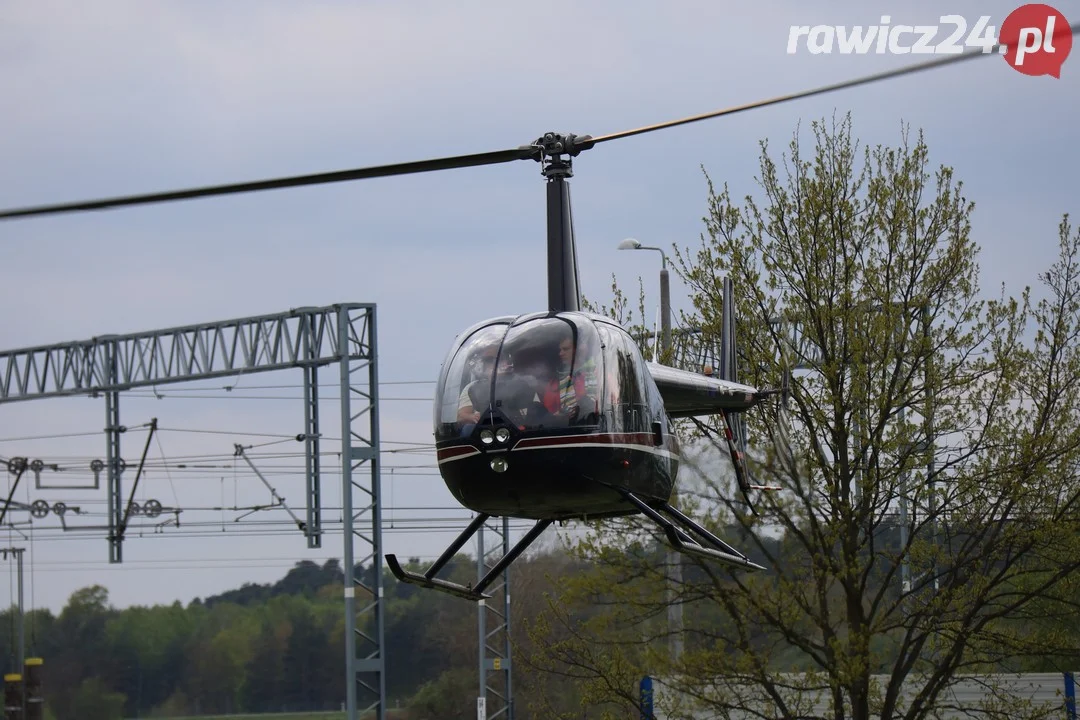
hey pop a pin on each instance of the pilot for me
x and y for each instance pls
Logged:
(572, 395)
(474, 396)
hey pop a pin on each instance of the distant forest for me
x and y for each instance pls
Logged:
(281, 647)
(261, 648)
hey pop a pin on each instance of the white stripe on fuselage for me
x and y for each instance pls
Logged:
(462, 456)
(667, 454)
(620, 446)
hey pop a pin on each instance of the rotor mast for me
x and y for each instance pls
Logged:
(556, 151)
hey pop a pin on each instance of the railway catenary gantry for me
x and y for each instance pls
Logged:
(307, 338)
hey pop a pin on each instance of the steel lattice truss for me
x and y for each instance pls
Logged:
(693, 349)
(299, 338)
(305, 338)
(496, 699)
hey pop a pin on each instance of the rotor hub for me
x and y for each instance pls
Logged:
(554, 150)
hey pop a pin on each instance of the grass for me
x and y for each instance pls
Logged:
(332, 715)
(279, 716)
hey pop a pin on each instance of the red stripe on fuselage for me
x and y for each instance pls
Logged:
(629, 441)
(639, 439)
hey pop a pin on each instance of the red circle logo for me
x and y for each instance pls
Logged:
(1037, 39)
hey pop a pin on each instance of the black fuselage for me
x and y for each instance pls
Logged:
(560, 476)
(545, 415)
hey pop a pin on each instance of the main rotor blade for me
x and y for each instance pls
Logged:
(489, 158)
(866, 80)
(462, 161)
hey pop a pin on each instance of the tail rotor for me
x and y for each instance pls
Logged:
(735, 422)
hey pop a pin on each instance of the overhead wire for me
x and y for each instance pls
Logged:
(287, 529)
(165, 467)
(296, 386)
(57, 436)
(11, 603)
(209, 432)
(33, 601)
(161, 396)
(72, 462)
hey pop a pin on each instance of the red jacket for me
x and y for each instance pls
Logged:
(553, 399)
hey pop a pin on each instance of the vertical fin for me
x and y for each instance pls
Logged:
(729, 363)
(728, 366)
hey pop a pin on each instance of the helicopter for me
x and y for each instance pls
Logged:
(555, 415)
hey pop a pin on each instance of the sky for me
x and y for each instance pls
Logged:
(114, 98)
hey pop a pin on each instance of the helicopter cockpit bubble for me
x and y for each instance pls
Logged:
(555, 374)
(464, 390)
(546, 372)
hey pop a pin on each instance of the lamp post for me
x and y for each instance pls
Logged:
(665, 293)
(674, 561)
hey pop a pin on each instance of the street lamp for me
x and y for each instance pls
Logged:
(665, 291)
(675, 614)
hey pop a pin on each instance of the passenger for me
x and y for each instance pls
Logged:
(518, 390)
(572, 394)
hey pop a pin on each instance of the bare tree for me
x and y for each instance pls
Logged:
(927, 525)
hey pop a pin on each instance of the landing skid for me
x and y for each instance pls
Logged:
(469, 592)
(677, 526)
(707, 546)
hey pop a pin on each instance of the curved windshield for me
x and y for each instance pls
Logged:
(550, 374)
(465, 390)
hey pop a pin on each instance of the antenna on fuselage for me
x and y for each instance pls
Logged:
(656, 337)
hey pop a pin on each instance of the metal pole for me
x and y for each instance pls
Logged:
(113, 460)
(929, 421)
(347, 519)
(674, 559)
(481, 609)
(675, 611)
(1070, 696)
(20, 636)
(379, 614)
(360, 448)
(905, 567)
(665, 313)
(506, 622)
(21, 660)
(313, 527)
(350, 583)
(496, 691)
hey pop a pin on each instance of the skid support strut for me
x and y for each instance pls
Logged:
(706, 546)
(469, 592)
